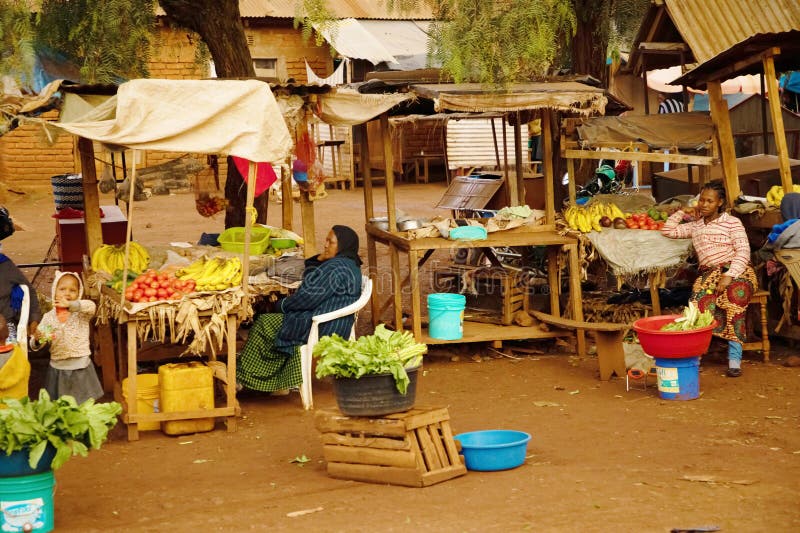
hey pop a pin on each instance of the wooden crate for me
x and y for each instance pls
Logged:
(499, 296)
(414, 449)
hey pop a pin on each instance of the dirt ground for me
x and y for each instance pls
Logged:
(601, 458)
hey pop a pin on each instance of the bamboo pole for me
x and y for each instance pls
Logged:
(128, 230)
(249, 215)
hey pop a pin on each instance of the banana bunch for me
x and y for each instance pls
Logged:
(215, 274)
(586, 219)
(109, 258)
(776, 192)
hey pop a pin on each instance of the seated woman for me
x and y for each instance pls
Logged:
(726, 281)
(270, 359)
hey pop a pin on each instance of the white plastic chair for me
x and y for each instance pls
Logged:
(24, 313)
(313, 337)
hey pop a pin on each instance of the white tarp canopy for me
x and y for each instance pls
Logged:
(231, 117)
(351, 39)
(346, 107)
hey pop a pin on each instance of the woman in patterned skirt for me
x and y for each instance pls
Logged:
(270, 359)
(726, 281)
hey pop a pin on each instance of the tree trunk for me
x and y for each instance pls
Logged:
(219, 24)
(590, 40)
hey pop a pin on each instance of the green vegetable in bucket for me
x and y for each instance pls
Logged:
(692, 319)
(384, 352)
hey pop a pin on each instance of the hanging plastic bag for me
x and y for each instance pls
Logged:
(209, 199)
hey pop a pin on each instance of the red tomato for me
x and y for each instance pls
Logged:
(161, 293)
(137, 294)
(152, 299)
(149, 292)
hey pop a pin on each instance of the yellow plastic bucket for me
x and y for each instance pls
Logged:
(147, 398)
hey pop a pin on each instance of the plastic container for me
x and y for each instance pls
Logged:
(470, 233)
(16, 464)
(446, 315)
(282, 244)
(26, 503)
(671, 344)
(147, 398)
(232, 240)
(678, 379)
(374, 394)
(67, 191)
(493, 449)
(186, 387)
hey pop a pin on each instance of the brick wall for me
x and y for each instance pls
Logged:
(278, 39)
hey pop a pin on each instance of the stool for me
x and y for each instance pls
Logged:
(760, 298)
(414, 449)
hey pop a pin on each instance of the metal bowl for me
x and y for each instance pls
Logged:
(382, 223)
(408, 224)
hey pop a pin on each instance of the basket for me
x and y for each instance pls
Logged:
(671, 344)
(232, 240)
(67, 191)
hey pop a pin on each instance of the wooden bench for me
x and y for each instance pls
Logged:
(608, 337)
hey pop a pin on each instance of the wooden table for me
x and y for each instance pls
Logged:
(419, 250)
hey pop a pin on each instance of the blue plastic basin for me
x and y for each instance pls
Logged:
(493, 449)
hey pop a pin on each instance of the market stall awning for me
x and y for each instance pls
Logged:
(231, 117)
(571, 97)
(685, 131)
(345, 107)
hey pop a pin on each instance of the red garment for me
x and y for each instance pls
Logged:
(265, 175)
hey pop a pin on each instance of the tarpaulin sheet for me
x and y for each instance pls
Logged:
(348, 107)
(684, 131)
(623, 250)
(571, 97)
(231, 117)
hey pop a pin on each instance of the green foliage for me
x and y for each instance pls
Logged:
(108, 39)
(70, 428)
(626, 17)
(314, 18)
(16, 39)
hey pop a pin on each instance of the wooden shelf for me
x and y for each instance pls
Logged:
(482, 331)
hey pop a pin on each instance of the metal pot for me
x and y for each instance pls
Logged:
(382, 223)
(408, 224)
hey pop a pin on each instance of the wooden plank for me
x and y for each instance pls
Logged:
(722, 124)
(437, 476)
(369, 456)
(777, 123)
(571, 177)
(406, 477)
(417, 450)
(432, 460)
(485, 332)
(547, 163)
(436, 436)
(575, 324)
(91, 199)
(420, 417)
(655, 47)
(178, 415)
(367, 441)
(328, 420)
(519, 236)
(610, 354)
(449, 444)
(656, 157)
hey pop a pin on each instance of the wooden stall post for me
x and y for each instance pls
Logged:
(727, 151)
(287, 207)
(91, 201)
(547, 163)
(571, 177)
(248, 225)
(388, 161)
(777, 123)
(516, 185)
(369, 208)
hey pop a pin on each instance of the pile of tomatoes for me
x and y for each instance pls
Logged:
(152, 286)
(643, 221)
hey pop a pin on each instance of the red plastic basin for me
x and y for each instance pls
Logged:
(671, 344)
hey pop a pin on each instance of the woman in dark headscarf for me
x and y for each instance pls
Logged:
(11, 280)
(270, 359)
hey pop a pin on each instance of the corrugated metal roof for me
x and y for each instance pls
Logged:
(359, 9)
(710, 27)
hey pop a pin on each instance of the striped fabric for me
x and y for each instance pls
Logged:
(670, 105)
(717, 243)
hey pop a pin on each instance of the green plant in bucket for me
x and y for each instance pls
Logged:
(70, 428)
(691, 319)
(384, 352)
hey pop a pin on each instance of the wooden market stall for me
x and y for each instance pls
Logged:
(546, 99)
(238, 118)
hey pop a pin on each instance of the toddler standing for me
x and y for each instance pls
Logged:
(66, 328)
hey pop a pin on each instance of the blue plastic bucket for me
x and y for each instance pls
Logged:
(678, 379)
(27, 502)
(446, 315)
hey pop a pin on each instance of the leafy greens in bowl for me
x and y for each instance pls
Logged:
(70, 428)
(384, 352)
